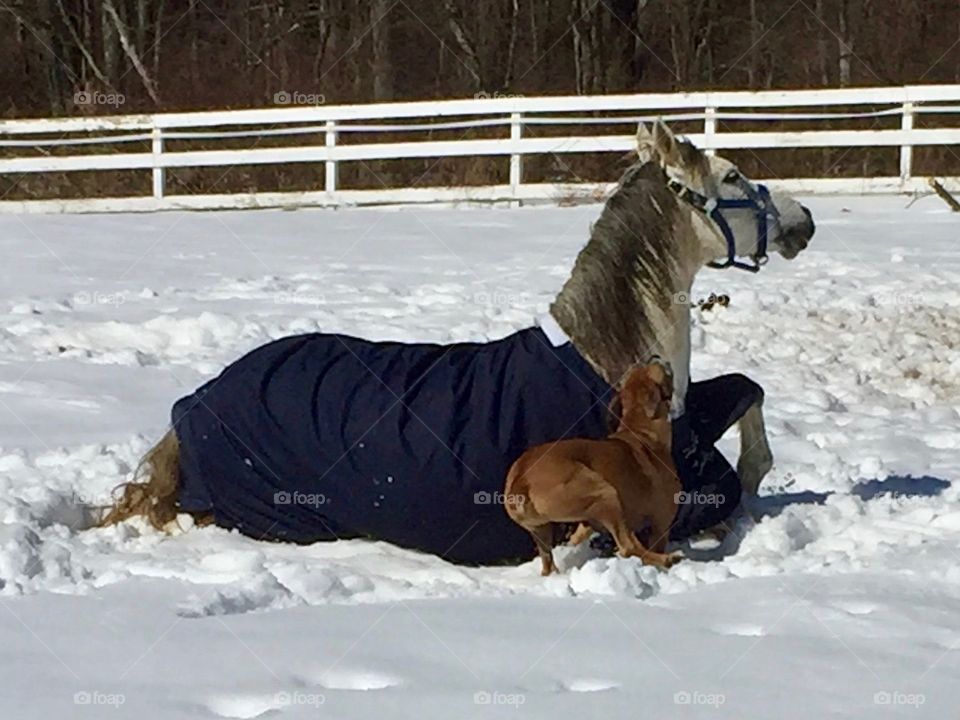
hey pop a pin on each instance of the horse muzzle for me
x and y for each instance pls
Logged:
(795, 238)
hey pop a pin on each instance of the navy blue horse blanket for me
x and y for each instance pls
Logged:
(321, 436)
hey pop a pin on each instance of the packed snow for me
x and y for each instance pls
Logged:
(838, 598)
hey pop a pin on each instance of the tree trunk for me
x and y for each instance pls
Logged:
(822, 54)
(467, 44)
(158, 37)
(752, 64)
(845, 42)
(194, 48)
(512, 44)
(382, 60)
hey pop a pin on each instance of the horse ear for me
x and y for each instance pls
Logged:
(645, 146)
(657, 145)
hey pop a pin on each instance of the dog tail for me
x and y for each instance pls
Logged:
(152, 492)
(514, 505)
(515, 495)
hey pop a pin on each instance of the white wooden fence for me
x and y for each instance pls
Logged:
(314, 133)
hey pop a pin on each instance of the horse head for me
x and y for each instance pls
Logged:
(746, 218)
(673, 211)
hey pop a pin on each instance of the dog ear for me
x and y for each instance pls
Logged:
(640, 393)
(658, 391)
(666, 382)
(652, 401)
(615, 412)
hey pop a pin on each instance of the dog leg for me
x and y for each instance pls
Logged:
(756, 459)
(628, 545)
(543, 538)
(582, 533)
(660, 530)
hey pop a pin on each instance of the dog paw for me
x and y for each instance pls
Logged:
(673, 559)
(658, 560)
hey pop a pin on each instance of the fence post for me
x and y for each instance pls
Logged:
(158, 171)
(709, 129)
(906, 150)
(516, 159)
(330, 179)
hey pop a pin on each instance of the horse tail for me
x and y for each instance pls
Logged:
(152, 492)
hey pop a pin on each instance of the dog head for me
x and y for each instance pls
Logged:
(647, 390)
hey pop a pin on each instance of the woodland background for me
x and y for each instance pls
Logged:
(69, 57)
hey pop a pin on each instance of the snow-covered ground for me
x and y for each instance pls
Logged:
(843, 600)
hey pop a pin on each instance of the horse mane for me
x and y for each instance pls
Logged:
(626, 278)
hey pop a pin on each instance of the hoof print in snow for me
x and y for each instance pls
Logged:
(356, 680)
(589, 685)
(246, 707)
(740, 629)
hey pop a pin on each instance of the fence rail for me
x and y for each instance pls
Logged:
(30, 146)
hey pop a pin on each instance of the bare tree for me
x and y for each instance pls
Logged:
(382, 60)
(238, 52)
(845, 42)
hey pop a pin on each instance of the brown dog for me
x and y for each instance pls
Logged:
(621, 484)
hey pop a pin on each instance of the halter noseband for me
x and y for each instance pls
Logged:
(757, 199)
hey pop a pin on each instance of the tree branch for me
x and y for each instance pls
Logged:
(131, 51)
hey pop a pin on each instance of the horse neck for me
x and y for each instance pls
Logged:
(710, 241)
(623, 305)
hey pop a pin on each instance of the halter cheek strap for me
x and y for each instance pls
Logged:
(757, 199)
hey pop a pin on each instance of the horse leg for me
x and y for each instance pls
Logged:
(715, 405)
(756, 459)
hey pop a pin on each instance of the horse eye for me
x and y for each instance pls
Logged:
(731, 177)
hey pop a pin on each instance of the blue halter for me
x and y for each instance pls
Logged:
(757, 199)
